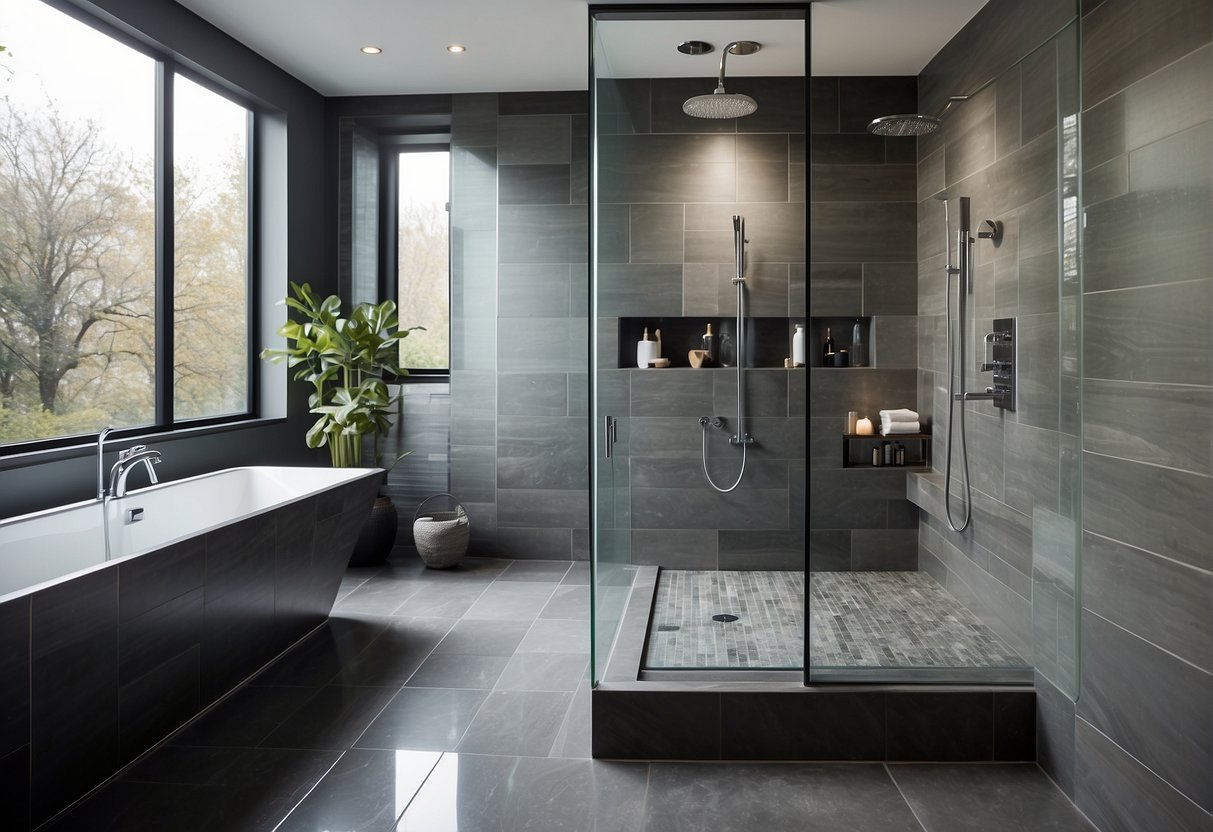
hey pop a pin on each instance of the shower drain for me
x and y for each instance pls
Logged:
(724, 617)
(668, 628)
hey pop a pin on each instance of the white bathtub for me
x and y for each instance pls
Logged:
(46, 546)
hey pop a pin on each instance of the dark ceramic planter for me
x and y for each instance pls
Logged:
(378, 536)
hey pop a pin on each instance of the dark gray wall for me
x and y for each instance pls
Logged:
(519, 338)
(863, 264)
(668, 186)
(1001, 148)
(1143, 738)
(43, 480)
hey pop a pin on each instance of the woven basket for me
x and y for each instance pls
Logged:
(441, 536)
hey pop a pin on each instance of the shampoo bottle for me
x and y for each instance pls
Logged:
(798, 346)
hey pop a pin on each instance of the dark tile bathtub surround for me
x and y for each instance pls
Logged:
(861, 183)
(668, 187)
(96, 670)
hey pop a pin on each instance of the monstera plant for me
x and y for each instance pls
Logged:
(346, 361)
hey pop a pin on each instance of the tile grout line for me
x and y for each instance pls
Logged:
(889, 773)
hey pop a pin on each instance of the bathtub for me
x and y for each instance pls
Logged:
(101, 659)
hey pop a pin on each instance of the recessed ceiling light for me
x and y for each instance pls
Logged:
(456, 48)
(370, 50)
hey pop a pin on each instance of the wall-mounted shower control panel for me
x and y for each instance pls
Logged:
(1000, 359)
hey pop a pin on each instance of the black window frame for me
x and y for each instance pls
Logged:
(166, 67)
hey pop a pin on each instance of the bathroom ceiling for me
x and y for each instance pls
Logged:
(517, 45)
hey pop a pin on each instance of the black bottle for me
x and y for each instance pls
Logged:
(827, 350)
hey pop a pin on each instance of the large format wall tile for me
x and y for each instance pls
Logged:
(1166, 724)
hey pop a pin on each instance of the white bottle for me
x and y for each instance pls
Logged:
(798, 346)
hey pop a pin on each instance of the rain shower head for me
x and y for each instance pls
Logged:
(722, 104)
(905, 124)
(911, 124)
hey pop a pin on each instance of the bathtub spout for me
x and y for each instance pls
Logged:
(127, 460)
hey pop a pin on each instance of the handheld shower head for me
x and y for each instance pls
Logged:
(722, 104)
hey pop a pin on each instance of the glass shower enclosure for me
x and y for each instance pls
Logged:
(698, 290)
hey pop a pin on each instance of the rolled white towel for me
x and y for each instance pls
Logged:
(890, 428)
(901, 415)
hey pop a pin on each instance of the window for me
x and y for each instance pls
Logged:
(85, 286)
(210, 261)
(423, 259)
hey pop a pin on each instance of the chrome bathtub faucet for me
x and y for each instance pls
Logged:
(128, 459)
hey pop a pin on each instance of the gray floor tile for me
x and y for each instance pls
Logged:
(456, 670)
(484, 638)
(520, 723)
(396, 654)
(578, 574)
(570, 602)
(774, 798)
(544, 671)
(992, 798)
(512, 601)
(245, 718)
(473, 793)
(378, 596)
(536, 570)
(443, 602)
(556, 636)
(432, 719)
(333, 718)
(366, 790)
(574, 737)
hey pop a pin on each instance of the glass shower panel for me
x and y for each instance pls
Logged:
(899, 590)
(677, 202)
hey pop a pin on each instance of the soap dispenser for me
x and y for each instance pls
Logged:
(709, 346)
(646, 350)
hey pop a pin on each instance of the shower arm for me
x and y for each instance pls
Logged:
(724, 56)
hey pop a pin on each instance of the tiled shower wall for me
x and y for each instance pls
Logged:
(519, 338)
(1001, 149)
(668, 187)
(863, 264)
(1139, 756)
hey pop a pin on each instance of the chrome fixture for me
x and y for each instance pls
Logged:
(1000, 343)
(721, 104)
(695, 47)
(106, 431)
(740, 437)
(912, 124)
(128, 459)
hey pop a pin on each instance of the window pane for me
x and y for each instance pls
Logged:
(424, 245)
(210, 260)
(77, 230)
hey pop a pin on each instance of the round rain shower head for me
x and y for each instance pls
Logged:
(906, 124)
(719, 104)
(722, 104)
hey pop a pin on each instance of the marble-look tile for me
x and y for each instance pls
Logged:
(655, 726)
(863, 98)
(516, 722)
(762, 550)
(671, 394)
(542, 234)
(667, 168)
(454, 670)
(366, 790)
(548, 635)
(778, 726)
(544, 672)
(508, 793)
(14, 677)
(1124, 585)
(533, 184)
(332, 719)
(890, 289)
(823, 104)
(649, 289)
(568, 603)
(656, 233)
(1125, 501)
(423, 718)
(532, 290)
(518, 601)
(784, 797)
(543, 508)
(1117, 52)
(862, 183)
(145, 583)
(541, 452)
(1150, 423)
(487, 637)
(533, 140)
(1168, 724)
(998, 798)
(1117, 792)
(836, 288)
